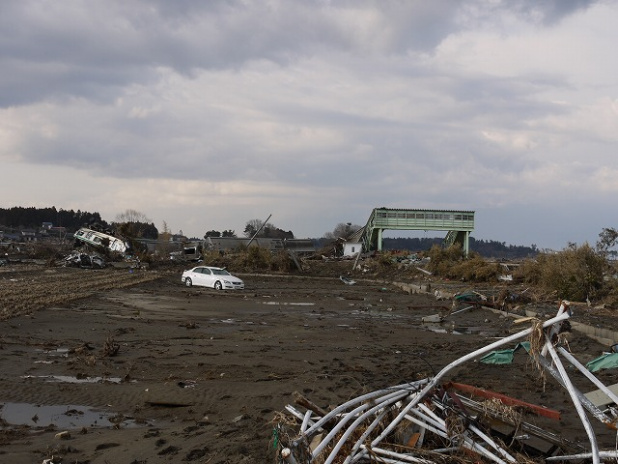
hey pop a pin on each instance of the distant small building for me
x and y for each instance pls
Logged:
(178, 238)
(28, 235)
(58, 232)
(351, 249)
(298, 246)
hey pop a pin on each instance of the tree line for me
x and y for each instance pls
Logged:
(32, 218)
(131, 223)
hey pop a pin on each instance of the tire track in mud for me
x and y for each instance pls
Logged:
(26, 295)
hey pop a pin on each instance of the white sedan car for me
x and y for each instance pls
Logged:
(214, 277)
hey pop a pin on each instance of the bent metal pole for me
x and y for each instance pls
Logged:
(594, 449)
(563, 314)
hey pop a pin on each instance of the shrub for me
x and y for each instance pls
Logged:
(529, 271)
(442, 260)
(385, 260)
(576, 273)
(611, 286)
(215, 258)
(44, 250)
(280, 261)
(476, 269)
(257, 258)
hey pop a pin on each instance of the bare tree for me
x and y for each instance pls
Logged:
(254, 225)
(165, 233)
(342, 230)
(608, 239)
(135, 224)
(131, 215)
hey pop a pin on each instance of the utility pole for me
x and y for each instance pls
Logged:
(258, 231)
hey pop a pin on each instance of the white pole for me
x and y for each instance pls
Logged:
(612, 396)
(563, 315)
(578, 406)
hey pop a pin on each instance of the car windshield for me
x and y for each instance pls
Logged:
(220, 272)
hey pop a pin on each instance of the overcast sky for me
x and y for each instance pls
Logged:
(207, 114)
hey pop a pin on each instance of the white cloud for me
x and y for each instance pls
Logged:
(206, 115)
(510, 141)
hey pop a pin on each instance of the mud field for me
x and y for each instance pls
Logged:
(131, 367)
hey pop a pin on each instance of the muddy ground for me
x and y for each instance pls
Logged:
(129, 367)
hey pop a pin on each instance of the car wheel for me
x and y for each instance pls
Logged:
(188, 282)
(218, 285)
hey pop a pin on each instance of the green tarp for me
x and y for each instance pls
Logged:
(607, 361)
(504, 356)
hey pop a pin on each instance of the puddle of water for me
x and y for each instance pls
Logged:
(60, 352)
(71, 379)
(285, 303)
(61, 416)
(376, 312)
(441, 329)
(484, 331)
(455, 330)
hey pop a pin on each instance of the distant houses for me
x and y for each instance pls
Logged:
(47, 232)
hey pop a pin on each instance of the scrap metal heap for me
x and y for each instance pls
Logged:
(427, 421)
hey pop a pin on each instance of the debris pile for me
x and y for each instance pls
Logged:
(84, 260)
(427, 421)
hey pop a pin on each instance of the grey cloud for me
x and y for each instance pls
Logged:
(51, 49)
(554, 10)
(547, 12)
(512, 102)
(93, 49)
(31, 82)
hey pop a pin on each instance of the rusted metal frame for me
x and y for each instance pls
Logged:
(506, 400)
(523, 426)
